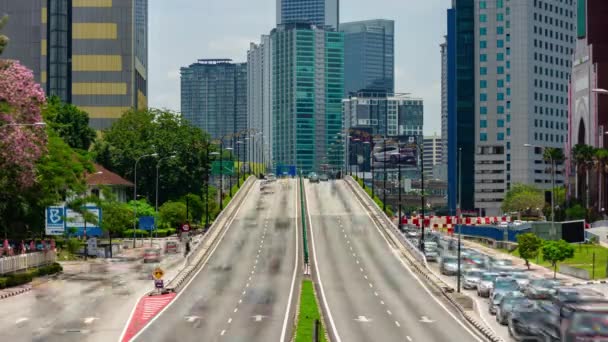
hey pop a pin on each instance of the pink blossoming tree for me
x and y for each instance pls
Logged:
(21, 99)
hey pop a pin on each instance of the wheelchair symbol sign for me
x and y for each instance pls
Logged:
(55, 220)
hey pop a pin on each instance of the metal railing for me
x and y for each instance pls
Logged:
(25, 261)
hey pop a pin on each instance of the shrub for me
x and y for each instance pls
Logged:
(19, 279)
(139, 233)
(3, 281)
(73, 245)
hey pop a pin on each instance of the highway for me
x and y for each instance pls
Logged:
(243, 291)
(368, 292)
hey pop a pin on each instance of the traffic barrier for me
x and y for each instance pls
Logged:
(24, 261)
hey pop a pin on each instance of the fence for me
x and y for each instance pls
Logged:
(24, 261)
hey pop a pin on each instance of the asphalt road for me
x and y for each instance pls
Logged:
(242, 293)
(369, 293)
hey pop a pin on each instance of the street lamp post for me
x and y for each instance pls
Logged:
(207, 190)
(421, 149)
(238, 169)
(156, 199)
(231, 169)
(365, 143)
(384, 186)
(135, 195)
(399, 186)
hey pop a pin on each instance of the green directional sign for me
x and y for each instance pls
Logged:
(225, 167)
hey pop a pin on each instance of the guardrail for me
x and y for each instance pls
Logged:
(25, 261)
(384, 221)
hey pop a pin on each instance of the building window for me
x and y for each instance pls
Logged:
(483, 71)
(500, 70)
(500, 43)
(500, 30)
(483, 31)
(500, 123)
(483, 84)
(500, 17)
(500, 96)
(483, 57)
(483, 44)
(483, 110)
(500, 136)
(483, 18)
(483, 124)
(483, 97)
(500, 109)
(483, 136)
(500, 83)
(482, 5)
(499, 3)
(500, 57)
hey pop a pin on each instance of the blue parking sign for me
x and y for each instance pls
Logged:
(55, 220)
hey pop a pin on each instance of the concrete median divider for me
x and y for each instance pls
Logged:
(201, 252)
(416, 260)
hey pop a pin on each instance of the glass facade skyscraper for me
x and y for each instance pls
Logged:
(369, 57)
(320, 13)
(214, 96)
(90, 53)
(307, 87)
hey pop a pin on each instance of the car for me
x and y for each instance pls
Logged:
(585, 321)
(471, 278)
(430, 254)
(566, 294)
(525, 320)
(323, 177)
(151, 255)
(387, 153)
(497, 298)
(486, 283)
(448, 265)
(541, 288)
(271, 177)
(506, 305)
(504, 284)
(503, 224)
(522, 279)
(313, 177)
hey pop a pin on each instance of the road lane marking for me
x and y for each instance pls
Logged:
(375, 293)
(382, 302)
(244, 292)
(206, 260)
(240, 301)
(223, 332)
(360, 269)
(370, 285)
(397, 324)
(389, 312)
(236, 309)
(408, 338)
(229, 320)
(365, 277)
(366, 209)
(21, 320)
(318, 273)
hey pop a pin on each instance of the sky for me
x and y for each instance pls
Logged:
(182, 31)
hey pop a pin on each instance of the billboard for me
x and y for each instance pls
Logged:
(75, 220)
(225, 167)
(393, 152)
(55, 220)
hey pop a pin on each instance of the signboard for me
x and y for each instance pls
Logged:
(159, 284)
(92, 246)
(226, 167)
(55, 220)
(393, 152)
(158, 273)
(146, 222)
(185, 227)
(74, 220)
(286, 170)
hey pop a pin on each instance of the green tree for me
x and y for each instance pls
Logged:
(195, 206)
(172, 213)
(142, 132)
(523, 198)
(3, 39)
(79, 205)
(577, 212)
(70, 123)
(116, 218)
(557, 251)
(142, 208)
(528, 246)
(583, 158)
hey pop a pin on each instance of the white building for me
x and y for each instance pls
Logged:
(259, 93)
(433, 156)
(444, 101)
(522, 66)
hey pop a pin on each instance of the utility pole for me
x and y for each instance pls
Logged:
(384, 186)
(421, 149)
(459, 210)
(399, 185)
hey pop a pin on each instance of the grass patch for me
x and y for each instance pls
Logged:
(583, 258)
(309, 312)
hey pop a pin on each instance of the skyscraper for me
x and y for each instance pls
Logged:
(214, 96)
(307, 88)
(90, 53)
(259, 92)
(588, 108)
(520, 84)
(433, 153)
(369, 57)
(320, 13)
(444, 102)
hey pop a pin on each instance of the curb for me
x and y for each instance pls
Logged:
(436, 282)
(594, 282)
(14, 293)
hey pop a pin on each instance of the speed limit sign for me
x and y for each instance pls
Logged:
(185, 227)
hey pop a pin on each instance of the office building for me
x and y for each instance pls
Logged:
(307, 88)
(433, 156)
(369, 56)
(383, 114)
(444, 102)
(588, 103)
(521, 66)
(92, 54)
(259, 93)
(214, 98)
(321, 13)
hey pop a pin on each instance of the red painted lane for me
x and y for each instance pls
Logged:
(147, 308)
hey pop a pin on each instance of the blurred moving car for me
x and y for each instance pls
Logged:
(504, 284)
(506, 306)
(486, 283)
(522, 279)
(524, 321)
(585, 321)
(323, 177)
(151, 255)
(541, 288)
(497, 297)
(271, 177)
(448, 265)
(430, 253)
(313, 177)
(471, 278)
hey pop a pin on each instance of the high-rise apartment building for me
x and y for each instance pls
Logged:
(589, 104)
(521, 58)
(433, 154)
(92, 54)
(369, 56)
(307, 88)
(321, 13)
(259, 93)
(214, 98)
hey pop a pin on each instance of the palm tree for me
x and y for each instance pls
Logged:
(601, 163)
(555, 156)
(583, 157)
